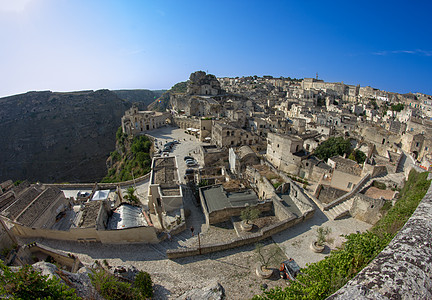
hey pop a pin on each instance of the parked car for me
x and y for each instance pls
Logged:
(189, 171)
(289, 269)
(191, 163)
(188, 157)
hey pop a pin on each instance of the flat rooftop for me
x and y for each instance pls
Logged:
(164, 170)
(216, 198)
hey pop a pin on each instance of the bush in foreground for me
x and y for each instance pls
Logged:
(27, 283)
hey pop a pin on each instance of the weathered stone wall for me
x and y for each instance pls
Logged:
(366, 209)
(234, 243)
(102, 186)
(403, 270)
(184, 123)
(263, 187)
(119, 236)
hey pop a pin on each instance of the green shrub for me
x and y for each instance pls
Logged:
(110, 287)
(27, 283)
(379, 185)
(144, 284)
(249, 214)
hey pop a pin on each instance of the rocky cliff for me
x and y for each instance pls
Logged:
(141, 97)
(58, 137)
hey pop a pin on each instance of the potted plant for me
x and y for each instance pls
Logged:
(262, 268)
(247, 215)
(321, 237)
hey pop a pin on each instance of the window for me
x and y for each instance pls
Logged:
(349, 185)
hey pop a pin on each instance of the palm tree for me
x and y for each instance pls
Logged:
(130, 195)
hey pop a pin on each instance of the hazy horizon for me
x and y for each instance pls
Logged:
(81, 45)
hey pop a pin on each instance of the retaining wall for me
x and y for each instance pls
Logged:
(102, 186)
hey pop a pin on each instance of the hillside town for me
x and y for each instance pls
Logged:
(227, 148)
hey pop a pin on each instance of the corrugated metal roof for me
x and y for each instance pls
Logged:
(127, 216)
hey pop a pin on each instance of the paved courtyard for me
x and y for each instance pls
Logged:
(188, 145)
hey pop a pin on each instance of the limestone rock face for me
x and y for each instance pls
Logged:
(58, 137)
(214, 291)
(201, 83)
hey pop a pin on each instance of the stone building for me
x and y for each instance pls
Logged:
(33, 205)
(135, 122)
(240, 158)
(224, 135)
(164, 193)
(346, 173)
(285, 152)
(201, 83)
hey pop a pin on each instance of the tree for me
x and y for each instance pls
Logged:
(322, 233)
(110, 287)
(333, 146)
(249, 214)
(358, 156)
(397, 107)
(130, 195)
(267, 257)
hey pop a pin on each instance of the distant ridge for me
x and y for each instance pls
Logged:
(140, 96)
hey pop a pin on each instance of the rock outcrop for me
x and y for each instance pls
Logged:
(214, 291)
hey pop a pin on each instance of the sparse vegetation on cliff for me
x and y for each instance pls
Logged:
(320, 280)
(130, 160)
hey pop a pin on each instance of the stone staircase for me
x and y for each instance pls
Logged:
(340, 210)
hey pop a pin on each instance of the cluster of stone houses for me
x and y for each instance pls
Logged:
(282, 121)
(260, 134)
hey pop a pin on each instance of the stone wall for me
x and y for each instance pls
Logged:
(226, 213)
(184, 123)
(102, 186)
(119, 236)
(403, 270)
(234, 243)
(366, 209)
(263, 187)
(348, 195)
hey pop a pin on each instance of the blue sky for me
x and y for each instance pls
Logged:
(65, 45)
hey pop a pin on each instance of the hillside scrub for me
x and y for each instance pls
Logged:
(320, 280)
(131, 159)
(111, 287)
